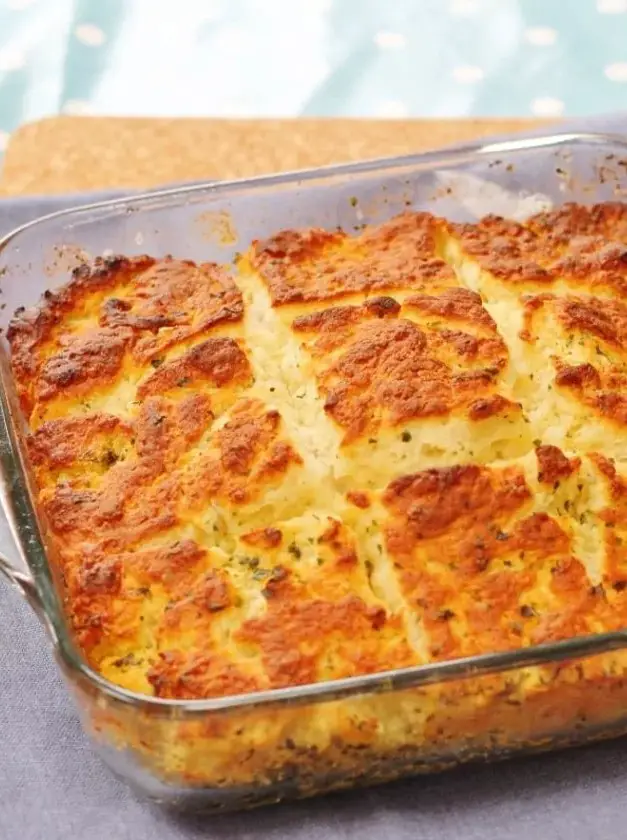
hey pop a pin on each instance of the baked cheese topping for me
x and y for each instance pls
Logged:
(346, 454)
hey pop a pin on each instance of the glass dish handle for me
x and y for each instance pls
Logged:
(24, 583)
(18, 574)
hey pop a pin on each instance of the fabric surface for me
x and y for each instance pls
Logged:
(53, 787)
(312, 57)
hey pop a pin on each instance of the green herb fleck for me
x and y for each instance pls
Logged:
(109, 458)
(251, 562)
(600, 352)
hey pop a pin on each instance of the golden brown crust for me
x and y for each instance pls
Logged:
(605, 319)
(82, 363)
(32, 329)
(572, 221)
(597, 327)
(180, 298)
(595, 265)
(508, 250)
(192, 675)
(316, 608)
(106, 604)
(294, 649)
(312, 265)
(583, 246)
(454, 305)
(553, 465)
(126, 311)
(386, 370)
(249, 455)
(218, 361)
(359, 499)
(263, 537)
(392, 469)
(478, 591)
(60, 443)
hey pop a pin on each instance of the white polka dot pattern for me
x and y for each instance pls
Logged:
(611, 7)
(316, 6)
(467, 74)
(547, 106)
(616, 72)
(90, 35)
(76, 107)
(285, 58)
(390, 40)
(541, 36)
(463, 8)
(11, 58)
(392, 109)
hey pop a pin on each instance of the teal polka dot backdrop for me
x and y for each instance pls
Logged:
(369, 58)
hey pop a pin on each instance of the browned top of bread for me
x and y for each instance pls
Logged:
(347, 454)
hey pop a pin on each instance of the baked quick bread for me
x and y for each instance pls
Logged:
(342, 455)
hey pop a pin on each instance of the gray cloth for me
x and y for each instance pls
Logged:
(52, 787)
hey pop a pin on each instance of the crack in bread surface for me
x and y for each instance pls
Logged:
(348, 455)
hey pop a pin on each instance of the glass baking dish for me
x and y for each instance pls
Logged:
(236, 752)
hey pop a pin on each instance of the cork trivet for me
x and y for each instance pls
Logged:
(66, 154)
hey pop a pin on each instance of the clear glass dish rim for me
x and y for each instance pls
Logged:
(13, 472)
